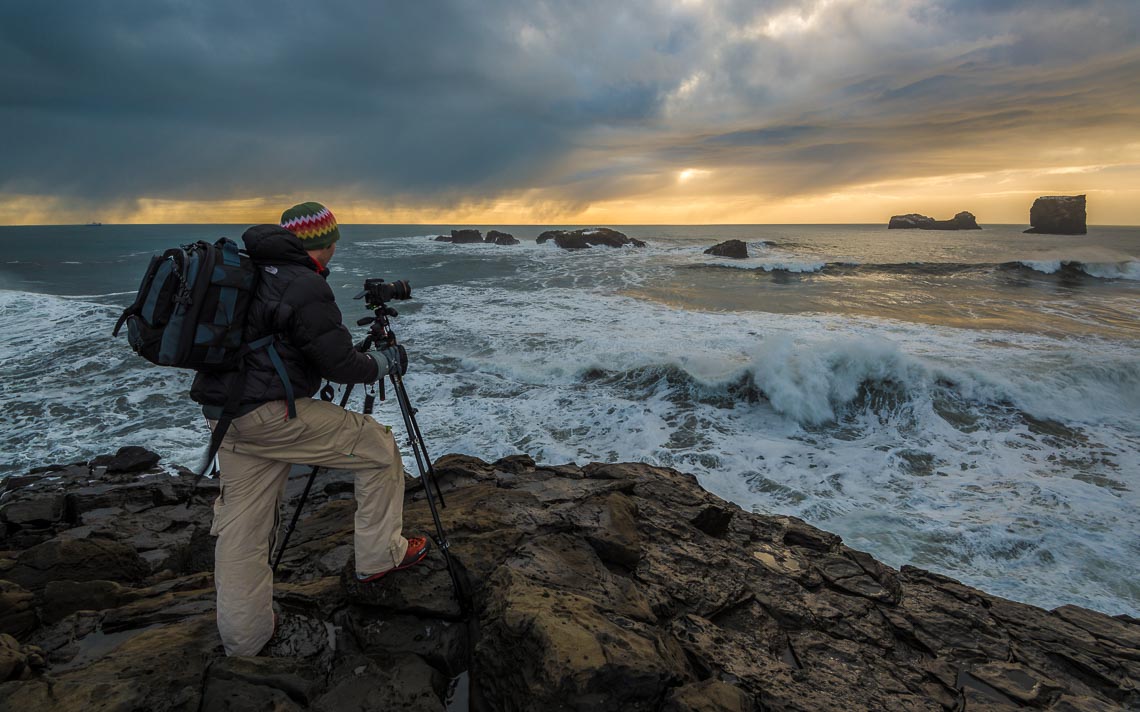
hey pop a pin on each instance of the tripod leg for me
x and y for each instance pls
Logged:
(293, 521)
(420, 451)
(417, 439)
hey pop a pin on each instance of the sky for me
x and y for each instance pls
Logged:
(567, 112)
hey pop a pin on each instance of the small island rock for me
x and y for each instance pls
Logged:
(911, 221)
(736, 249)
(461, 237)
(586, 238)
(1058, 215)
(501, 238)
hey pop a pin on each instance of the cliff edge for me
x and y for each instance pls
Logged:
(605, 587)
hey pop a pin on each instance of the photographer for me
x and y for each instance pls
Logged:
(294, 303)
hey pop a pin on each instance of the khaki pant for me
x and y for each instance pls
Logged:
(254, 460)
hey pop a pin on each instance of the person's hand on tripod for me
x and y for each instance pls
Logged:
(392, 359)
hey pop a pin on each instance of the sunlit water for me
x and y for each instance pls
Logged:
(966, 402)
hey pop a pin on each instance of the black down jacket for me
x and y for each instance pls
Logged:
(294, 302)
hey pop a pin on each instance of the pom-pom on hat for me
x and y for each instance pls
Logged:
(313, 223)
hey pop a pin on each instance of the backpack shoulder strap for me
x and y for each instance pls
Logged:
(139, 296)
(267, 343)
(229, 412)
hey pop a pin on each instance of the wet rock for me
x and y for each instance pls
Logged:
(713, 520)
(799, 533)
(443, 644)
(17, 610)
(158, 669)
(77, 560)
(18, 661)
(404, 684)
(501, 238)
(736, 249)
(559, 649)
(461, 237)
(589, 237)
(236, 695)
(274, 683)
(607, 586)
(62, 598)
(608, 523)
(708, 696)
(33, 513)
(1058, 215)
(1071, 703)
(424, 589)
(128, 459)
(1017, 682)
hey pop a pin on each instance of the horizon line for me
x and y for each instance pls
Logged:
(348, 224)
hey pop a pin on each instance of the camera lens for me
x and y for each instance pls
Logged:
(400, 289)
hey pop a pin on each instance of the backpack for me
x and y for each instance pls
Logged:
(190, 312)
(190, 308)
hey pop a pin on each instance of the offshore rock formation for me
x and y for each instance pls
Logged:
(605, 587)
(584, 239)
(962, 221)
(469, 236)
(736, 249)
(461, 237)
(501, 238)
(1058, 215)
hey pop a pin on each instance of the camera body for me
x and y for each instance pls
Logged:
(377, 291)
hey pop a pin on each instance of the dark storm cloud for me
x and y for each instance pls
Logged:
(450, 101)
(200, 100)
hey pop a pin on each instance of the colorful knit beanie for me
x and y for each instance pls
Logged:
(313, 223)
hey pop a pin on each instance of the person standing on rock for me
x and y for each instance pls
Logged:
(295, 303)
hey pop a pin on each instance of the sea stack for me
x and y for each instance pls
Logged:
(1058, 215)
(735, 249)
(584, 239)
(461, 237)
(501, 238)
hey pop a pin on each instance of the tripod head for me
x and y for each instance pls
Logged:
(376, 295)
(377, 292)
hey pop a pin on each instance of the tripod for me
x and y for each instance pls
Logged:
(380, 334)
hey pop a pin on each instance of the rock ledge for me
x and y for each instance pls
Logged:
(604, 587)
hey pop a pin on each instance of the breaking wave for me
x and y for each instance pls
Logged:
(1125, 269)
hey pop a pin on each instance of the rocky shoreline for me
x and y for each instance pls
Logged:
(605, 587)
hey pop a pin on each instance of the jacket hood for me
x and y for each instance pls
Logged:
(274, 245)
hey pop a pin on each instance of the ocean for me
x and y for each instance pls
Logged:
(966, 402)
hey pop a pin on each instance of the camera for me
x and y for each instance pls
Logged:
(377, 291)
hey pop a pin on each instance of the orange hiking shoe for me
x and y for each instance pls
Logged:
(417, 549)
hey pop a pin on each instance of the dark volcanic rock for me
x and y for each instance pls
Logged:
(461, 237)
(501, 238)
(77, 560)
(589, 237)
(962, 221)
(1058, 215)
(604, 587)
(911, 221)
(17, 610)
(127, 459)
(729, 248)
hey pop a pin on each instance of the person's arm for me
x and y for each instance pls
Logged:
(318, 331)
